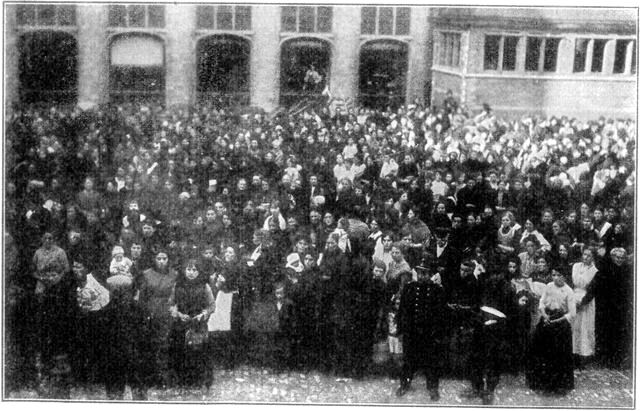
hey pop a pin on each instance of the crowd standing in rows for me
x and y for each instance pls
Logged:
(147, 246)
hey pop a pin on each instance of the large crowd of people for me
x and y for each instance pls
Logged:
(147, 246)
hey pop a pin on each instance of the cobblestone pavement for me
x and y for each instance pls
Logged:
(594, 388)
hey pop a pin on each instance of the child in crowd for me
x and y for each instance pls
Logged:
(395, 345)
(120, 265)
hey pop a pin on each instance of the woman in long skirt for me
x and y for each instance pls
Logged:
(584, 325)
(551, 360)
(154, 297)
(191, 303)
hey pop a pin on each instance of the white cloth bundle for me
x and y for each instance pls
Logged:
(220, 320)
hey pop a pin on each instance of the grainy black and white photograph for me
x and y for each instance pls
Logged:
(329, 204)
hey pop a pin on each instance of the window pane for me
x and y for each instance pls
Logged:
(26, 14)
(368, 25)
(448, 49)
(532, 57)
(385, 21)
(117, 16)
(289, 18)
(580, 55)
(509, 53)
(491, 52)
(325, 19)
(46, 15)
(307, 15)
(66, 15)
(597, 58)
(243, 18)
(403, 21)
(621, 56)
(224, 18)
(456, 50)
(551, 54)
(156, 16)
(136, 16)
(204, 17)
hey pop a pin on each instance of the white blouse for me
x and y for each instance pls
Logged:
(558, 298)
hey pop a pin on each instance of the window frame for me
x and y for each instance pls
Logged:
(315, 19)
(213, 8)
(500, 63)
(127, 16)
(56, 14)
(442, 58)
(610, 41)
(394, 22)
(542, 52)
(630, 51)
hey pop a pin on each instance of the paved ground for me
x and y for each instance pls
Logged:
(594, 388)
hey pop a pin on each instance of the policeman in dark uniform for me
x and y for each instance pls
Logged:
(422, 324)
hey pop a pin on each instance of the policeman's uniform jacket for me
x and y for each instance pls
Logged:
(422, 321)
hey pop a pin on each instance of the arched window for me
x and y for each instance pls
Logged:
(48, 67)
(137, 68)
(383, 73)
(305, 64)
(224, 69)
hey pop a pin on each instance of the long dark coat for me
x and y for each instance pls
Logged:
(422, 322)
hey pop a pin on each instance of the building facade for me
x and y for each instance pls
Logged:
(575, 62)
(557, 60)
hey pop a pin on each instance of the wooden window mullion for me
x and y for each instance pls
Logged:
(315, 19)
(297, 19)
(233, 17)
(543, 46)
(629, 56)
(394, 20)
(589, 58)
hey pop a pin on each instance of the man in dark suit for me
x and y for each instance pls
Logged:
(489, 343)
(422, 322)
(443, 254)
(464, 300)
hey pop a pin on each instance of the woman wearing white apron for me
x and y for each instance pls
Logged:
(584, 338)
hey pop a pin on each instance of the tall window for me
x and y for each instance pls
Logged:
(224, 17)
(449, 49)
(541, 54)
(500, 52)
(491, 52)
(46, 15)
(581, 54)
(597, 58)
(137, 68)
(307, 19)
(136, 15)
(48, 66)
(386, 21)
(625, 57)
